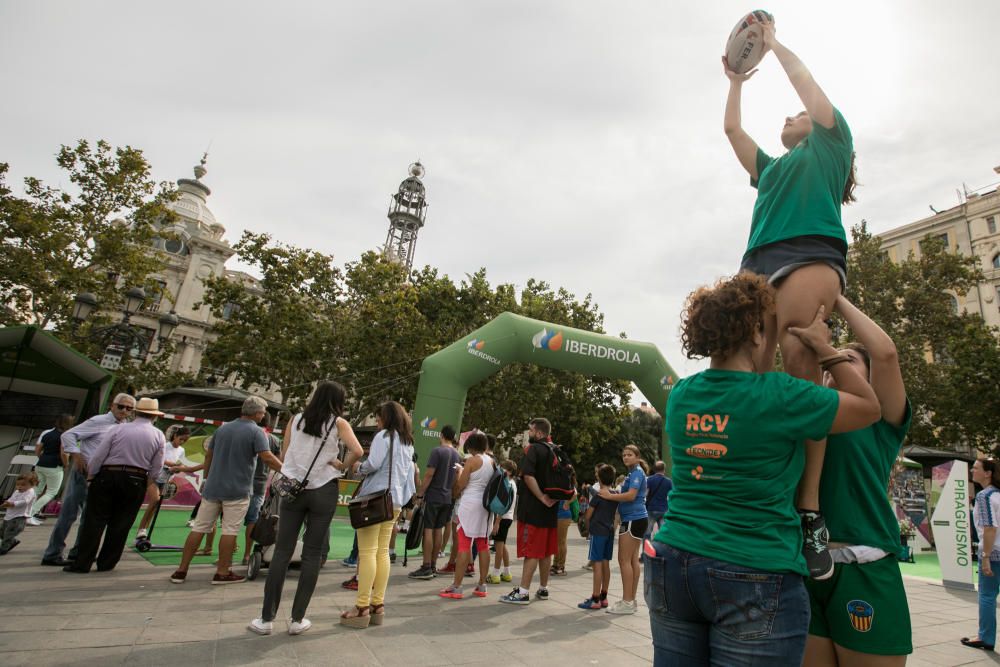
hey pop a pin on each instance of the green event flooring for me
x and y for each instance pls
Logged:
(926, 566)
(171, 530)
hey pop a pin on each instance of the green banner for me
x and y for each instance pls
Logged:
(447, 375)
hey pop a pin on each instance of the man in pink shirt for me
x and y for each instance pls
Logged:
(121, 470)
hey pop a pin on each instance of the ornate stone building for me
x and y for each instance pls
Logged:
(197, 251)
(971, 228)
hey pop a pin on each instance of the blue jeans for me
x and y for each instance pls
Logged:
(988, 589)
(73, 502)
(654, 523)
(704, 611)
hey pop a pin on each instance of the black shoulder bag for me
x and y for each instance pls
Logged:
(373, 508)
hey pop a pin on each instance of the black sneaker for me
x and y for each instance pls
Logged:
(516, 597)
(815, 538)
(425, 571)
(392, 558)
(542, 594)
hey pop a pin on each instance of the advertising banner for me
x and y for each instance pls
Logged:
(950, 524)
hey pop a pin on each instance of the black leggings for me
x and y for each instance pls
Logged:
(314, 508)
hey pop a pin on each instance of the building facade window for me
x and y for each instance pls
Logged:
(996, 261)
(229, 309)
(954, 303)
(991, 224)
(155, 298)
(943, 238)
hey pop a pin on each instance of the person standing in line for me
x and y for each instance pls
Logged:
(434, 492)
(389, 466)
(537, 540)
(600, 519)
(173, 451)
(565, 520)
(122, 471)
(631, 501)
(260, 475)
(229, 464)
(79, 442)
(52, 461)
(17, 510)
(501, 529)
(658, 487)
(314, 438)
(986, 517)
(473, 518)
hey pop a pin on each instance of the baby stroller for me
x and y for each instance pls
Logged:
(265, 534)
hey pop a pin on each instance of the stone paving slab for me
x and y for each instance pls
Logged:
(135, 616)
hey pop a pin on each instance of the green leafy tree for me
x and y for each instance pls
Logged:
(93, 237)
(284, 331)
(950, 360)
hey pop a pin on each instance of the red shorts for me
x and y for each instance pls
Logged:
(535, 541)
(465, 543)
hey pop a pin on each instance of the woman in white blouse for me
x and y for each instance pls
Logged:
(312, 439)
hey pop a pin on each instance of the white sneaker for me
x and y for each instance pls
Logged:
(260, 626)
(298, 627)
(190, 523)
(142, 534)
(623, 607)
(33, 522)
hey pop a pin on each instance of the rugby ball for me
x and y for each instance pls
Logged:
(745, 46)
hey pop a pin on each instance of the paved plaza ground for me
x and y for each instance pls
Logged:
(135, 616)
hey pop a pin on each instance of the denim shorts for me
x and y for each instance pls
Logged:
(253, 511)
(704, 611)
(779, 260)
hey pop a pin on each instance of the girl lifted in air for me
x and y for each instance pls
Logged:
(797, 241)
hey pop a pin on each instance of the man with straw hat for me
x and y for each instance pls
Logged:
(121, 471)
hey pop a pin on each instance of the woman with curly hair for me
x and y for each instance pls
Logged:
(728, 555)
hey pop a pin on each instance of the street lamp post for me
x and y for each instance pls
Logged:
(117, 337)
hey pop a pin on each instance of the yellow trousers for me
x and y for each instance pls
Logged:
(373, 561)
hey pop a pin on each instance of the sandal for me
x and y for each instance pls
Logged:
(360, 619)
(377, 613)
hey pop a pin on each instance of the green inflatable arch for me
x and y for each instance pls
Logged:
(447, 375)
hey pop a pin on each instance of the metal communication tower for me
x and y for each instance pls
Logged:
(407, 212)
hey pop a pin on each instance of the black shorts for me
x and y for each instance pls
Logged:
(436, 515)
(502, 530)
(636, 528)
(778, 260)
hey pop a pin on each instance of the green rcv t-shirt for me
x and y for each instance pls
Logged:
(800, 193)
(736, 439)
(853, 490)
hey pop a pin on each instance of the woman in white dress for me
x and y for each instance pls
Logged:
(473, 518)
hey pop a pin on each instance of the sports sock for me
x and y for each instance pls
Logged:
(604, 595)
(522, 591)
(506, 570)
(496, 572)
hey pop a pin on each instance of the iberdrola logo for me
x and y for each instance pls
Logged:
(548, 340)
(475, 348)
(666, 382)
(429, 422)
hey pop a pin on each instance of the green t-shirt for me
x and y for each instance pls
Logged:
(799, 193)
(736, 439)
(853, 490)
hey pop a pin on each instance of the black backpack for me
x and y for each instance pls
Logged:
(558, 477)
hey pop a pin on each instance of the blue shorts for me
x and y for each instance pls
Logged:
(253, 510)
(602, 547)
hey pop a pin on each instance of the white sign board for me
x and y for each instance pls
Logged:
(950, 525)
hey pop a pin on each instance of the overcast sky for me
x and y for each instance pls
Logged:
(576, 142)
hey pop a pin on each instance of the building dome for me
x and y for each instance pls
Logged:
(192, 203)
